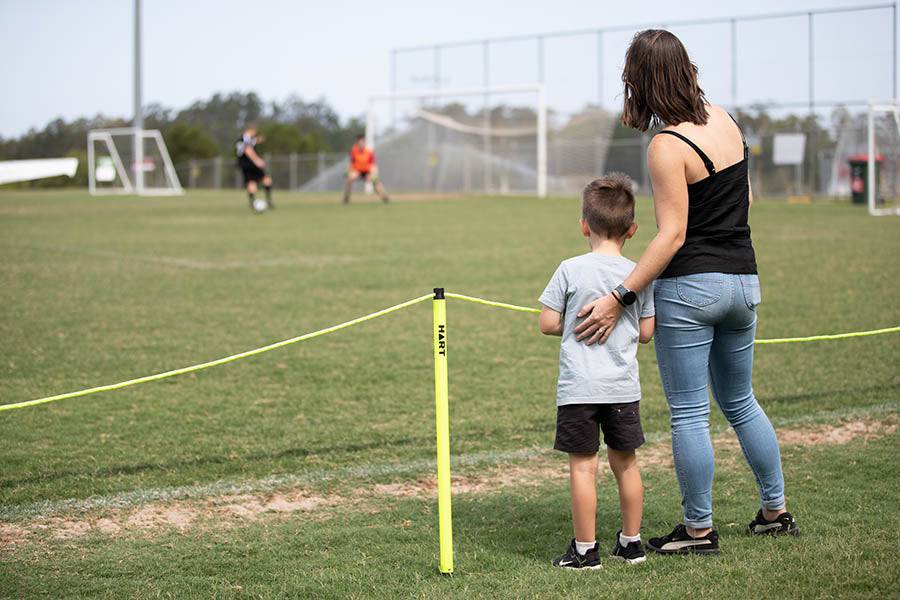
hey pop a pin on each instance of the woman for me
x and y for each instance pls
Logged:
(706, 289)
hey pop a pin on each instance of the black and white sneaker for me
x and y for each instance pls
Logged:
(681, 542)
(784, 524)
(572, 560)
(632, 554)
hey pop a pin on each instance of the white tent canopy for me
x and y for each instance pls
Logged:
(12, 171)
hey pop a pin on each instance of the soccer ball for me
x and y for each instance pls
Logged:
(260, 205)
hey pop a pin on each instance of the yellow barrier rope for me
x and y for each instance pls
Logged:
(492, 303)
(357, 321)
(812, 338)
(220, 361)
(832, 336)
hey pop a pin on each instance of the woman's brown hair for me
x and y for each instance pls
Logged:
(661, 86)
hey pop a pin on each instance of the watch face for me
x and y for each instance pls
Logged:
(627, 297)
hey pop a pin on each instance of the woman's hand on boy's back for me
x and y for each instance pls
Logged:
(601, 317)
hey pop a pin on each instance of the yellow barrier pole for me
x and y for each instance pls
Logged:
(442, 421)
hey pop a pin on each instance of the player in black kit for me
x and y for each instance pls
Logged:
(253, 168)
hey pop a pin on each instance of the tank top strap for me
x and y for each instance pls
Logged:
(710, 167)
(743, 139)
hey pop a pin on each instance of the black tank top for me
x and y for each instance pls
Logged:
(718, 236)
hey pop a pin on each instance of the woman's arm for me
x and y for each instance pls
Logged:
(670, 201)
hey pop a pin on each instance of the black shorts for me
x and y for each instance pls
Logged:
(364, 174)
(578, 427)
(250, 170)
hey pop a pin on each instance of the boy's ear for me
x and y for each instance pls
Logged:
(631, 231)
(585, 230)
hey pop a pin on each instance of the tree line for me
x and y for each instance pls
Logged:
(205, 129)
(208, 128)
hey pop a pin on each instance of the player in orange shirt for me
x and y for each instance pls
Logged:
(362, 164)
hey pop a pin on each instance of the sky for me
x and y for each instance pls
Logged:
(73, 58)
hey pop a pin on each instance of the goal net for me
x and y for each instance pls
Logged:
(130, 161)
(485, 140)
(883, 159)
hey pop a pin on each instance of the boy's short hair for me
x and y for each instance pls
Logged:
(608, 205)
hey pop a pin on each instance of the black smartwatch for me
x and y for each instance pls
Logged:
(625, 296)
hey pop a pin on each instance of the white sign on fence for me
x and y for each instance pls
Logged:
(788, 148)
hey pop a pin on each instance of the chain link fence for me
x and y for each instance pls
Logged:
(290, 171)
(801, 71)
(450, 164)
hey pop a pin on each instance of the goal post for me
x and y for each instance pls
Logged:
(129, 160)
(450, 140)
(883, 154)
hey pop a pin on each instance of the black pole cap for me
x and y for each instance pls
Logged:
(438, 293)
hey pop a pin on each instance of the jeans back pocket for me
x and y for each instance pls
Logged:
(700, 289)
(751, 289)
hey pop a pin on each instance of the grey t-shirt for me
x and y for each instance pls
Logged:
(602, 373)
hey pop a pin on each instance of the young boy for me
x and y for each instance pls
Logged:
(598, 385)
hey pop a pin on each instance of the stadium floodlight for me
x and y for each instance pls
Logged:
(452, 140)
(150, 172)
(883, 153)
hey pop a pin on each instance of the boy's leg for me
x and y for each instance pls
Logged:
(631, 490)
(583, 482)
(578, 435)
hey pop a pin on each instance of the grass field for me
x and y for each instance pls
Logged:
(307, 471)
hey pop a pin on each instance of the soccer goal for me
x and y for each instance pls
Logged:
(130, 161)
(883, 153)
(489, 140)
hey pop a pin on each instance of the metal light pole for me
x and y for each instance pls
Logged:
(734, 65)
(811, 132)
(600, 68)
(138, 143)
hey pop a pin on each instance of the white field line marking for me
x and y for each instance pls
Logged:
(253, 486)
(280, 482)
(191, 263)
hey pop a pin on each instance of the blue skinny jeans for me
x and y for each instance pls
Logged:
(705, 327)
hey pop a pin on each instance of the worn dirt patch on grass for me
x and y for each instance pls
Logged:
(840, 434)
(232, 510)
(182, 516)
(536, 471)
(12, 534)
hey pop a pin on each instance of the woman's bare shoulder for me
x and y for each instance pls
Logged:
(660, 145)
(666, 151)
(665, 143)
